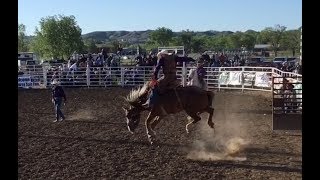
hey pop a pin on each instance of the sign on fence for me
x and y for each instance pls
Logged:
(28, 81)
(262, 79)
(223, 78)
(235, 78)
(258, 79)
(248, 78)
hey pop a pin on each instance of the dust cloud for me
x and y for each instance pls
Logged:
(81, 114)
(227, 142)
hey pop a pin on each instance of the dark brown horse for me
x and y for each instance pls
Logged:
(192, 99)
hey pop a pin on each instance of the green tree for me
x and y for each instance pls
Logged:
(176, 41)
(219, 42)
(115, 45)
(198, 44)
(22, 42)
(186, 39)
(234, 40)
(248, 40)
(70, 35)
(59, 36)
(161, 36)
(273, 36)
(90, 45)
(37, 46)
(291, 40)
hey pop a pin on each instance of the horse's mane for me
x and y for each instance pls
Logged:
(135, 94)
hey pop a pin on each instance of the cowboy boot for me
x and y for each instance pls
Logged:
(148, 104)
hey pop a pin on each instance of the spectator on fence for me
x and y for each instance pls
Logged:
(82, 64)
(215, 63)
(213, 59)
(58, 95)
(55, 76)
(89, 62)
(113, 63)
(104, 54)
(73, 67)
(242, 62)
(236, 58)
(139, 60)
(109, 61)
(298, 69)
(99, 61)
(284, 66)
(221, 59)
(69, 63)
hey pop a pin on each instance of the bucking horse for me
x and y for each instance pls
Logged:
(192, 99)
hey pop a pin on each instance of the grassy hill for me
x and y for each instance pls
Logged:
(133, 37)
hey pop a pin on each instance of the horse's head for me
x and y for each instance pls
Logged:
(133, 117)
(135, 99)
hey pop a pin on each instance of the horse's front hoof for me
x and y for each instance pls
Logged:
(151, 141)
(150, 138)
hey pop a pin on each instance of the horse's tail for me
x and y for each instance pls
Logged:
(210, 95)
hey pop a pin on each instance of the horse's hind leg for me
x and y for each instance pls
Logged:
(195, 117)
(210, 110)
(155, 122)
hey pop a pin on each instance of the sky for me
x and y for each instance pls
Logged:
(177, 15)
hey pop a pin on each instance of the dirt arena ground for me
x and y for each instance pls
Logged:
(94, 143)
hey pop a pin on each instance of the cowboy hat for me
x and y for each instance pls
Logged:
(55, 82)
(163, 52)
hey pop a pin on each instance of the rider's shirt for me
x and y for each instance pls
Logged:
(168, 65)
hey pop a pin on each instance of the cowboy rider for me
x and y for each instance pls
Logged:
(168, 63)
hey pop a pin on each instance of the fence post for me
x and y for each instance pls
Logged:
(88, 75)
(122, 76)
(219, 73)
(45, 82)
(184, 74)
(242, 78)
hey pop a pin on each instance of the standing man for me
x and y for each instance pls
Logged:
(57, 95)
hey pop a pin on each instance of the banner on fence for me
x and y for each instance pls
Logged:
(259, 79)
(28, 81)
(262, 79)
(223, 78)
(248, 78)
(235, 78)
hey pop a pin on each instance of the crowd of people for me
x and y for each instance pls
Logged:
(108, 66)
